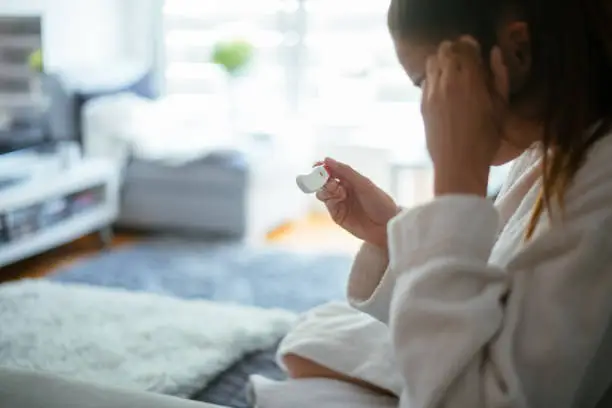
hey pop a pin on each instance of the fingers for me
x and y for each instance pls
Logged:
(333, 190)
(454, 61)
(453, 58)
(334, 195)
(346, 174)
(432, 76)
(462, 56)
(340, 170)
(468, 51)
(495, 77)
(448, 57)
(448, 62)
(328, 191)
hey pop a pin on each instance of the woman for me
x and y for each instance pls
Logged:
(473, 304)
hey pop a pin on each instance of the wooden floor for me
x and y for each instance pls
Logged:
(317, 232)
(45, 263)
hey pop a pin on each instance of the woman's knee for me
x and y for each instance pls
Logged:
(300, 368)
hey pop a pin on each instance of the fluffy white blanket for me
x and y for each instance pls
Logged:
(135, 340)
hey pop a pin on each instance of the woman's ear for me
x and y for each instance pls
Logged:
(515, 44)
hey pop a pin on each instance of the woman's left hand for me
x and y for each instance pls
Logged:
(463, 108)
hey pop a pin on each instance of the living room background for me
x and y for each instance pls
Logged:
(328, 66)
(330, 62)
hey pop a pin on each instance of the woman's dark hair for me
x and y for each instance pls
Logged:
(571, 47)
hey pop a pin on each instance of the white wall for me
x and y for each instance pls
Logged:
(89, 32)
(142, 22)
(142, 33)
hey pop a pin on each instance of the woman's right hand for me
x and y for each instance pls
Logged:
(356, 204)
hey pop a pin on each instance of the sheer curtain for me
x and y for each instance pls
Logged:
(330, 62)
(191, 30)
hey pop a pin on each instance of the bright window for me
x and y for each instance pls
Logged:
(328, 61)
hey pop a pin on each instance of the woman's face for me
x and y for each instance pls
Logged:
(517, 135)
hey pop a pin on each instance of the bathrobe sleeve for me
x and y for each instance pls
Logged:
(467, 333)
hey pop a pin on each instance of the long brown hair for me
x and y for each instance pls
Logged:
(571, 47)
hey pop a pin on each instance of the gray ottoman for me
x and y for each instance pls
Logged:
(206, 196)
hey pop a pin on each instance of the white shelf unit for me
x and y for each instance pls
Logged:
(19, 37)
(46, 186)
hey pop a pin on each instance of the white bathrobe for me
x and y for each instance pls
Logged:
(463, 312)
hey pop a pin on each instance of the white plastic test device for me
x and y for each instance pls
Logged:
(314, 181)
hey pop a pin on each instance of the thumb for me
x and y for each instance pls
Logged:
(346, 173)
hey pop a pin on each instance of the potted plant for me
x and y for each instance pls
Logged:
(234, 56)
(35, 63)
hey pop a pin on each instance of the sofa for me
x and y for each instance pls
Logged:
(239, 193)
(184, 172)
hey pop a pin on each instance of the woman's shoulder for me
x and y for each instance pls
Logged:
(591, 188)
(588, 197)
(598, 159)
(592, 182)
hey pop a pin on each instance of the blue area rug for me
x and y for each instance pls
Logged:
(258, 276)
